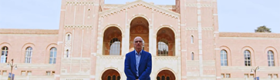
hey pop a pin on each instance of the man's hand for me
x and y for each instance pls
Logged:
(137, 79)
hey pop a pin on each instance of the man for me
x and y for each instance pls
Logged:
(138, 63)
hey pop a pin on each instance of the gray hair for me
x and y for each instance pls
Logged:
(143, 42)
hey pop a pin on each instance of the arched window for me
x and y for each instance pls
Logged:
(247, 58)
(192, 56)
(162, 48)
(109, 78)
(52, 56)
(192, 39)
(114, 77)
(162, 78)
(165, 75)
(166, 42)
(115, 46)
(167, 78)
(270, 57)
(158, 78)
(28, 55)
(111, 75)
(68, 37)
(119, 78)
(4, 54)
(224, 59)
(67, 54)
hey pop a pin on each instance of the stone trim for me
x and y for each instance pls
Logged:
(236, 34)
(80, 3)
(175, 58)
(203, 28)
(27, 31)
(195, 5)
(110, 57)
(77, 26)
(113, 6)
(140, 3)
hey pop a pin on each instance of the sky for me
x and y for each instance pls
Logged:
(233, 15)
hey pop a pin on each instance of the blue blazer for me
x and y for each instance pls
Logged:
(145, 65)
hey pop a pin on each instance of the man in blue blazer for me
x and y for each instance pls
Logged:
(138, 63)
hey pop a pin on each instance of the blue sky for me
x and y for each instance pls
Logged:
(234, 15)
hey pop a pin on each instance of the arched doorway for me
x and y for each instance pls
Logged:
(111, 75)
(139, 27)
(165, 42)
(112, 41)
(165, 75)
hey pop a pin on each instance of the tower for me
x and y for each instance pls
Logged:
(77, 38)
(199, 23)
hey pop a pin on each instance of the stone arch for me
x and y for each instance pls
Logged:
(112, 25)
(5, 44)
(109, 34)
(28, 45)
(140, 16)
(166, 26)
(227, 49)
(166, 73)
(275, 53)
(168, 35)
(139, 26)
(110, 73)
(51, 45)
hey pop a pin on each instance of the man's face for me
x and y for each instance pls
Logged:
(138, 43)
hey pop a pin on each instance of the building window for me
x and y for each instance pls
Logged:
(225, 75)
(28, 55)
(246, 76)
(114, 77)
(29, 73)
(167, 78)
(162, 78)
(222, 75)
(4, 54)
(53, 72)
(270, 57)
(269, 75)
(192, 56)
(68, 37)
(272, 76)
(115, 46)
(23, 73)
(4, 72)
(53, 55)
(247, 56)
(224, 59)
(67, 55)
(49, 73)
(252, 75)
(192, 39)
(109, 78)
(275, 76)
(162, 48)
(119, 78)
